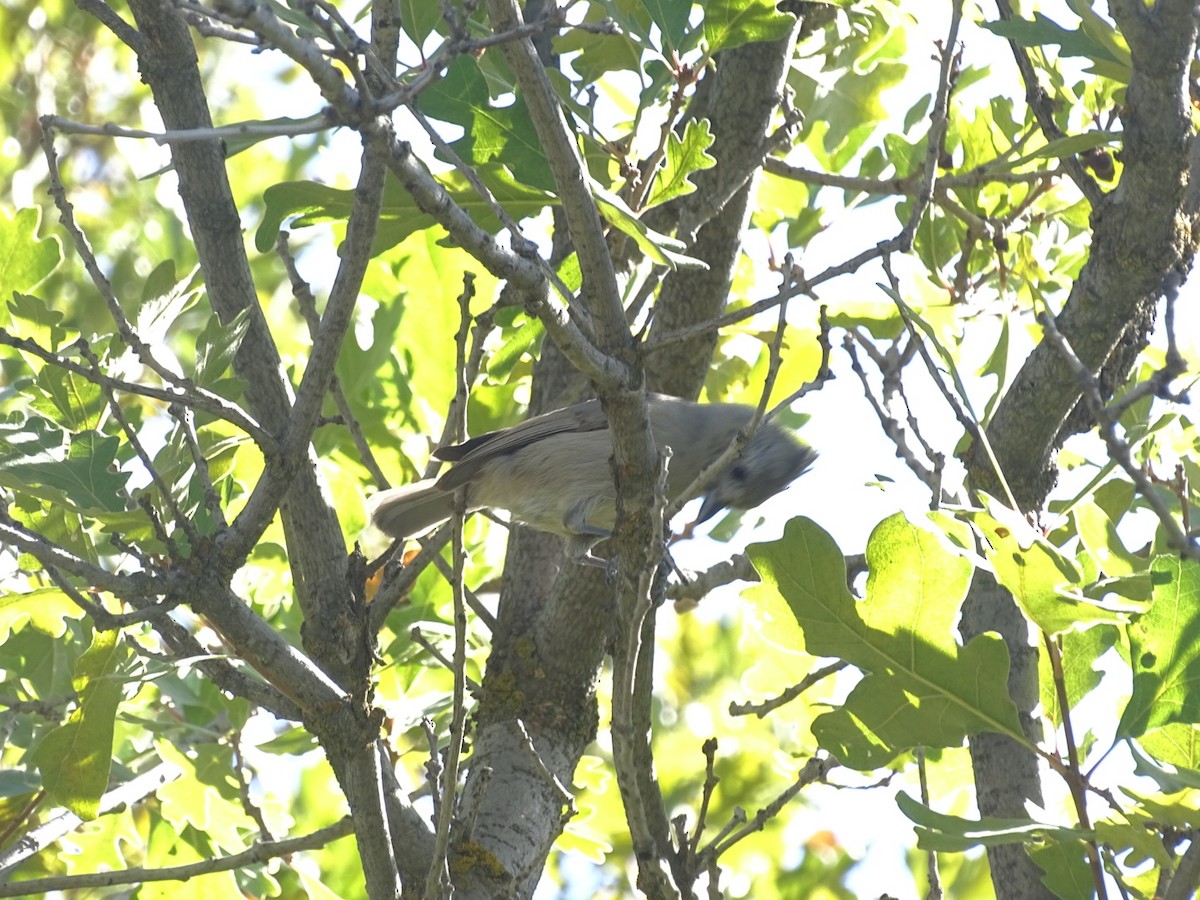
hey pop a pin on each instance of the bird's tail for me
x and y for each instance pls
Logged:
(407, 511)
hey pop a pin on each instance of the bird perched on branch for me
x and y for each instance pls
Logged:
(552, 471)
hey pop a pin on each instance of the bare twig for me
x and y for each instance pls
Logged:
(394, 589)
(239, 773)
(418, 637)
(710, 784)
(890, 424)
(439, 873)
(131, 434)
(1074, 774)
(64, 823)
(102, 619)
(1043, 109)
(258, 853)
(322, 121)
(66, 215)
(191, 394)
(433, 767)
(997, 172)
(308, 308)
(107, 16)
(931, 860)
(787, 696)
(687, 594)
(187, 428)
(471, 598)
(712, 471)
(1118, 449)
(814, 770)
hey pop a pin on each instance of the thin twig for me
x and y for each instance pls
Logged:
(131, 434)
(418, 637)
(322, 121)
(433, 767)
(931, 860)
(187, 428)
(1043, 110)
(1118, 450)
(257, 853)
(66, 215)
(308, 308)
(814, 770)
(108, 17)
(63, 823)
(1074, 776)
(439, 872)
(890, 424)
(709, 474)
(787, 696)
(253, 810)
(394, 589)
(102, 619)
(191, 395)
(469, 595)
(996, 172)
(711, 780)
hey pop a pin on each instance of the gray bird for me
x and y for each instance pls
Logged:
(552, 472)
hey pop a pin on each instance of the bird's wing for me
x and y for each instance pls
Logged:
(470, 456)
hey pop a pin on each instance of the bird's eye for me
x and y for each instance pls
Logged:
(738, 472)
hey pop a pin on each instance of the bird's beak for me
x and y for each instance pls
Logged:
(709, 508)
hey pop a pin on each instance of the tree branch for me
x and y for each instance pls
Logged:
(62, 824)
(258, 853)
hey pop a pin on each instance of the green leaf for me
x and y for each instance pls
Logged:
(954, 834)
(75, 758)
(666, 251)
(400, 217)
(292, 742)
(598, 54)
(1135, 833)
(1045, 583)
(1181, 810)
(25, 260)
(1041, 31)
(527, 336)
(1096, 40)
(732, 23)
(197, 799)
(1164, 653)
(1080, 650)
(685, 156)
(1099, 535)
(164, 299)
(46, 609)
(1176, 745)
(418, 18)
(68, 398)
(493, 134)
(33, 318)
(1071, 145)
(28, 439)
(848, 104)
(921, 688)
(671, 16)
(217, 345)
(87, 476)
(1066, 869)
